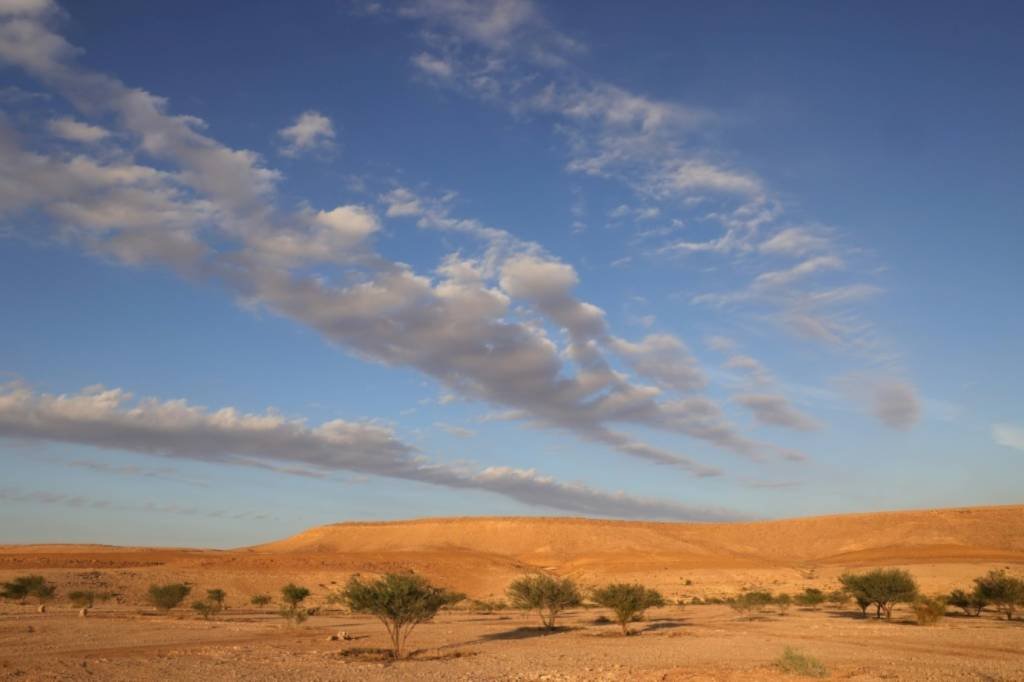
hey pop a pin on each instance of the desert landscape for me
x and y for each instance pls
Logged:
(697, 635)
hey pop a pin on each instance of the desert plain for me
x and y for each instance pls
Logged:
(126, 639)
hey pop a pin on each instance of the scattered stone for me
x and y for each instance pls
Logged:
(42, 608)
(83, 612)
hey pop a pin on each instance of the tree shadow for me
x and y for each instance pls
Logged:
(668, 624)
(524, 633)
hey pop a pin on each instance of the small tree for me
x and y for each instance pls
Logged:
(748, 602)
(972, 603)
(627, 601)
(837, 598)
(216, 596)
(1004, 592)
(82, 599)
(260, 599)
(782, 602)
(166, 597)
(293, 595)
(862, 603)
(399, 601)
(883, 587)
(811, 597)
(23, 587)
(547, 595)
(205, 609)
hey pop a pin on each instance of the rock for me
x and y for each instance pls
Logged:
(42, 608)
(332, 638)
(83, 612)
(345, 636)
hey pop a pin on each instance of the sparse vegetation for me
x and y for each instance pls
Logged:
(486, 606)
(23, 587)
(929, 610)
(293, 595)
(82, 599)
(747, 603)
(972, 603)
(399, 601)
(797, 663)
(882, 587)
(837, 598)
(1002, 591)
(260, 599)
(627, 601)
(166, 597)
(811, 598)
(212, 605)
(547, 595)
(782, 603)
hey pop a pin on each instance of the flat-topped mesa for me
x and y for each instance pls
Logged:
(976, 533)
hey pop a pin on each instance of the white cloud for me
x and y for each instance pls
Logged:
(76, 131)
(457, 431)
(433, 66)
(110, 418)
(1008, 435)
(311, 131)
(775, 410)
(794, 241)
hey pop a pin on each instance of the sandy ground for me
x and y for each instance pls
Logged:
(673, 643)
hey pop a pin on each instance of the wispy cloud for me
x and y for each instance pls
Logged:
(1008, 435)
(311, 131)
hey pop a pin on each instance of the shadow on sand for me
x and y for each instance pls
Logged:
(524, 633)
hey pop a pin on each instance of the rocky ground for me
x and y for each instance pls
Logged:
(675, 643)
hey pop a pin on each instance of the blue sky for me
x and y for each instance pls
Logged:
(263, 269)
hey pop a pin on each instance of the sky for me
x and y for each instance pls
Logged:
(264, 268)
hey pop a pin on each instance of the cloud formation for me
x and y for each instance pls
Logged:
(311, 131)
(110, 418)
(1008, 435)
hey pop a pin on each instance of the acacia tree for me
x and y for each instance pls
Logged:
(399, 601)
(27, 586)
(166, 597)
(882, 587)
(627, 601)
(293, 595)
(547, 595)
(972, 603)
(1004, 592)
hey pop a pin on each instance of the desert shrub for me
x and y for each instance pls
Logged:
(862, 603)
(627, 602)
(697, 601)
(399, 601)
(782, 602)
(1004, 592)
(293, 595)
(260, 599)
(205, 609)
(796, 663)
(547, 595)
(23, 587)
(837, 598)
(929, 610)
(810, 597)
(748, 602)
(216, 596)
(82, 599)
(883, 587)
(166, 597)
(972, 603)
(486, 606)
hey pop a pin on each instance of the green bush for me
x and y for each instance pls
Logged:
(837, 598)
(216, 596)
(782, 602)
(810, 597)
(27, 586)
(166, 597)
(82, 599)
(928, 610)
(399, 601)
(293, 595)
(544, 594)
(260, 599)
(205, 609)
(627, 601)
(972, 604)
(796, 663)
(882, 587)
(1004, 592)
(749, 602)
